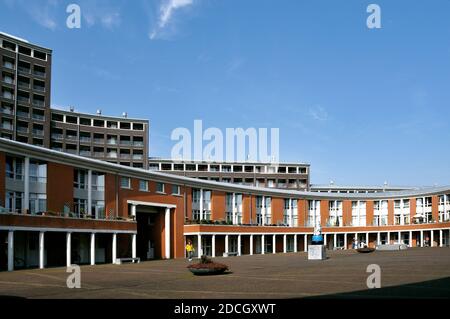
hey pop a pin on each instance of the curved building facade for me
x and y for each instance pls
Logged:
(58, 209)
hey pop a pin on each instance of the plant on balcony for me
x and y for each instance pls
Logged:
(207, 267)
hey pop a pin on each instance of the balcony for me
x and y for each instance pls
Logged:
(8, 65)
(85, 153)
(72, 151)
(125, 156)
(6, 126)
(24, 70)
(99, 154)
(23, 114)
(138, 157)
(39, 73)
(38, 117)
(8, 95)
(111, 155)
(24, 85)
(7, 111)
(99, 141)
(84, 139)
(38, 133)
(138, 144)
(38, 103)
(39, 88)
(56, 136)
(112, 142)
(22, 129)
(125, 143)
(72, 137)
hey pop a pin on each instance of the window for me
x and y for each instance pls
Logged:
(14, 168)
(98, 209)
(80, 179)
(176, 190)
(160, 187)
(229, 207)
(98, 182)
(38, 172)
(38, 203)
(125, 182)
(80, 207)
(335, 212)
(238, 206)
(313, 213)
(143, 186)
(14, 202)
(359, 213)
(380, 217)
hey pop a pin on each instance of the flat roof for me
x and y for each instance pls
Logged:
(20, 149)
(103, 117)
(24, 42)
(169, 160)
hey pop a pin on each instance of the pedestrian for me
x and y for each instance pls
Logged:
(190, 250)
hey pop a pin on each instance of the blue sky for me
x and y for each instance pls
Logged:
(362, 106)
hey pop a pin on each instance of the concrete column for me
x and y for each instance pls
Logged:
(388, 238)
(295, 243)
(441, 240)
(201, 204)
(114, 249)
(26, 185)
(10, 250)
(199, 244)
(89, 201)
(432, 238)
(239, 245)
(410, 239)
(421, 238)
(378, 238)
(263, 241)
(41, 250)
(133, 211)
(251, 245)
(68, 249)
(345, 241)
(133, 246)
(167, 233)
(325, 243)
(399, 238)
(233, 208)
(285, 243)
(335, 241)
(367, 239)
(263, 211)
(92, 250)
(274, 244)
(305, 243)
(213, 248)
(357, 238)
(226, 245)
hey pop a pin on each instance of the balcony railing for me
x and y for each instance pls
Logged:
(112, 142)
(57, 136)
(112, 155)
(39, 88)
(6, 126)
(85, 139)
(23, 114)
(38, 117)
(99, 154)
(7, 111)
(22, 129)
(126, 143)
(138, 144)
(8, 65)
(39, 73)
(72, 137)
(99, 141)
(38, 103)
(38, 132)
(24, 70)
(138, 157)
(125, 156)
(7, 95)
(24, 85)
(85, 153)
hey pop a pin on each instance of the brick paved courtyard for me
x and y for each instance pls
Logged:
(412, 273)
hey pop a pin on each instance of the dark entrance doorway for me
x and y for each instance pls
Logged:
(150, 224)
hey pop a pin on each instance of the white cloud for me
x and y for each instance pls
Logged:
(103, 13)
(318, 113)
(166, 11)
(44, 12)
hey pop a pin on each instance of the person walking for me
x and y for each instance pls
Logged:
(190, 250)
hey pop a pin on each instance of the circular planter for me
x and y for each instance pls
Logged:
(365, 250)
(207, 271)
